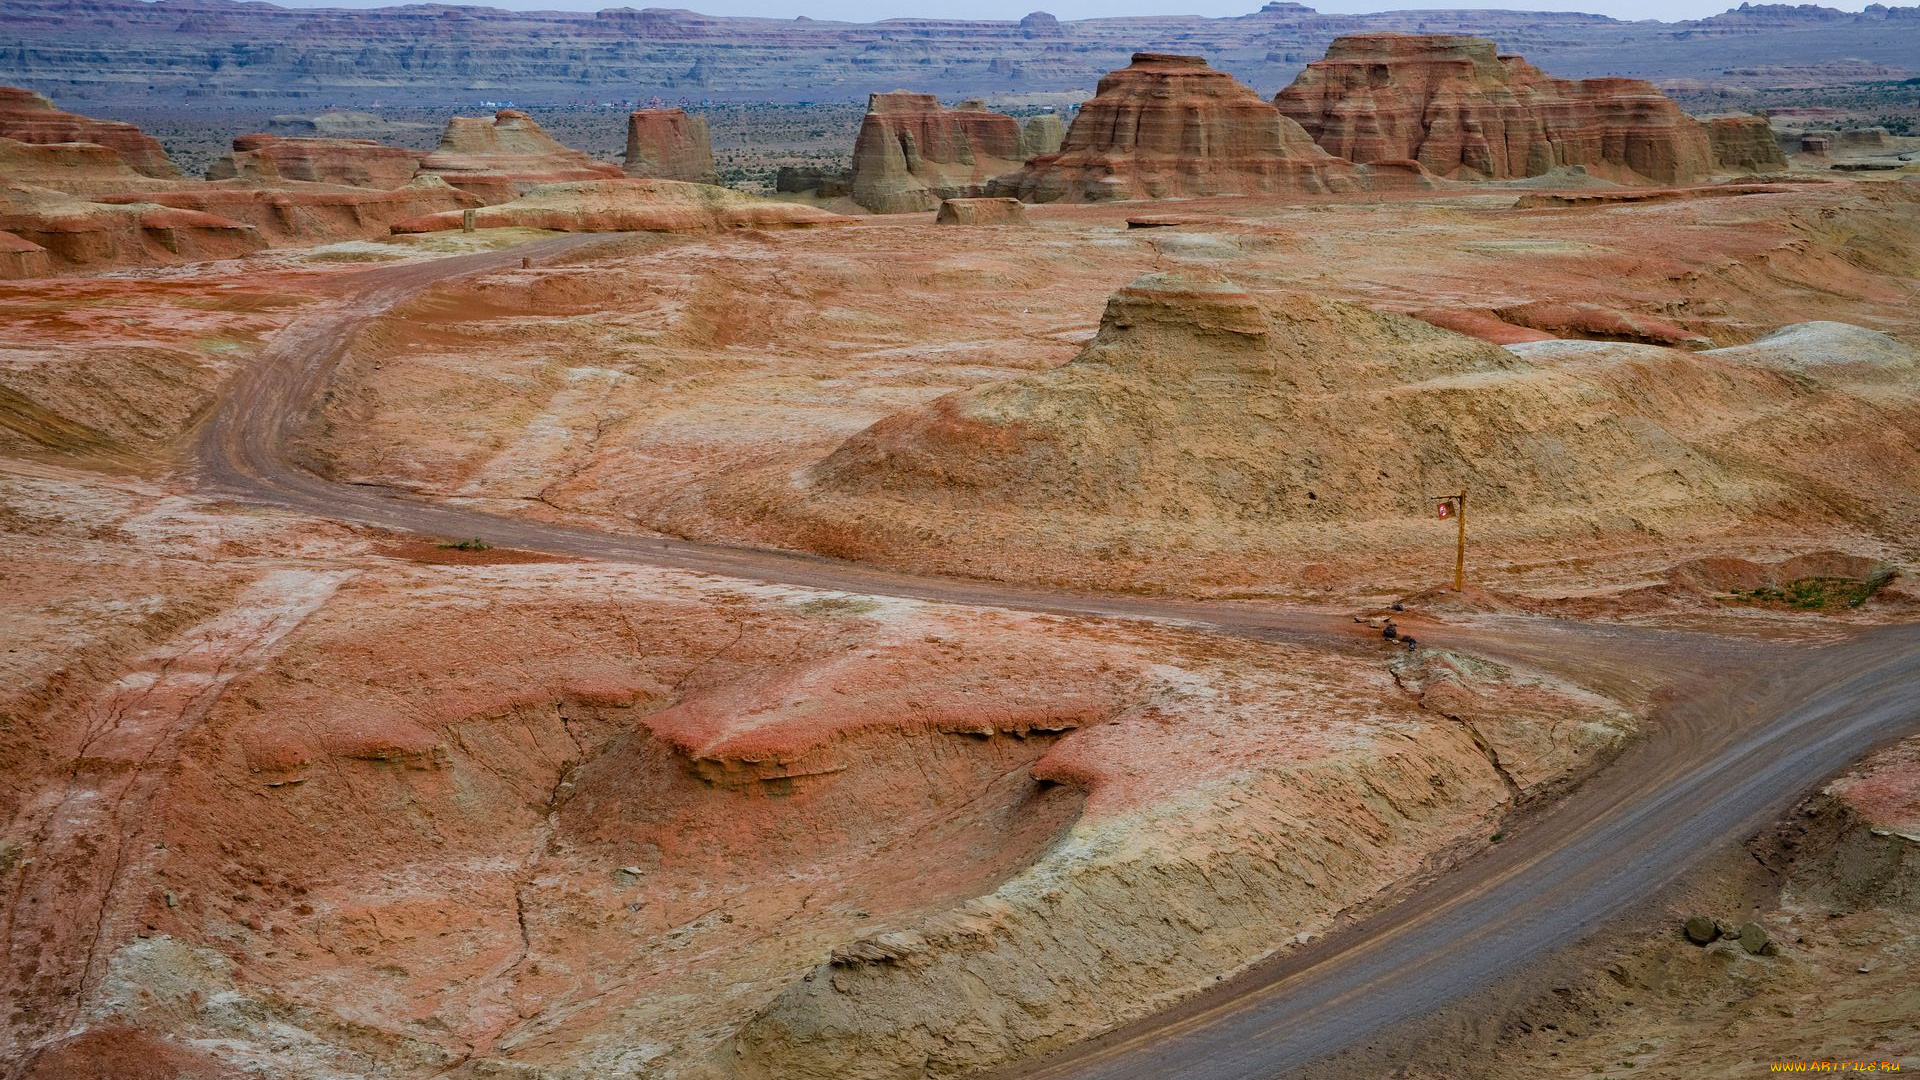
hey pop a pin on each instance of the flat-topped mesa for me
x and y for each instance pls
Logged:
(502, 157)
(348, 162)
(912, 153)
(1168, 126)
(669, 144)
(29, 118)
(1452, 103)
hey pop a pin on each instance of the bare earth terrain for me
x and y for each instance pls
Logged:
(732, 639)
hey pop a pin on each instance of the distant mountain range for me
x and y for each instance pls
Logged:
(210, 50)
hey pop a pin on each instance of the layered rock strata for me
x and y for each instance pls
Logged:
(1200, 402)
(1168, 126)
(989, 211)
(30, 118)
(911, 152)
(501, 158)
(631, 205)
(1452, 103)
(297, 214)
(669, 144)
(21, 258)
(76, 234)
(1042, 134)
(347, 162)
(1744, 144)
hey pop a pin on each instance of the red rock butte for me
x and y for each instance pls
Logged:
(1456, 106)
(1167, 126)
(911, 152)
(669, 144)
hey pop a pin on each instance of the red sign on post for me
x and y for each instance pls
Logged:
(1446, 509)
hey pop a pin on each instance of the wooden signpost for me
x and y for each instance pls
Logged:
(1455, 506)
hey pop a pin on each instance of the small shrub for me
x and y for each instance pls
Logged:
(1818, 593)
(475, 544)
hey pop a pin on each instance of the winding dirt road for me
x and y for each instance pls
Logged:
(1754, 727)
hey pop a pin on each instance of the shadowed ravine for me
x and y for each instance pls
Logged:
(1754, 727)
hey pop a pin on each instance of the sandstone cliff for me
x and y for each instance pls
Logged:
(500, 158)
(349, 162)
(1462, 110)
(911, 152)
(29, 118)
(668, 144)
(1169, 126)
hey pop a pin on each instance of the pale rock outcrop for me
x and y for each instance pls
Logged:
(30, 118)
(1744, 144)
(1452, 103)
(912, 153)
(987, 211)
(1168, 126)
(632, 204)
(333, 124)
(502, 157)
(1042, 134)
(1198, 401)
(669, 144)
(814, 180)
(347, 162)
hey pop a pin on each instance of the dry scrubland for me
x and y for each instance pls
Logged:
(289, 798)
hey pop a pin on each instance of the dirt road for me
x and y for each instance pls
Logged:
(1758, 727)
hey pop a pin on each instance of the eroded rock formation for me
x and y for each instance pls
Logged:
(669, 144)
(1452, 103)
(502, 157)
(349, 162)
(631, 204)
(297, 214)
(1198, 401)
(1042, 134)
(1001, 211)
(21, 258)
(74, 168)
(76, 234)
(911, 152)
(86, 207)
(30, 118)
(1167, 126)
(1744, 144)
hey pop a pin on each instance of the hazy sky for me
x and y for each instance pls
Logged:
(869, 10)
